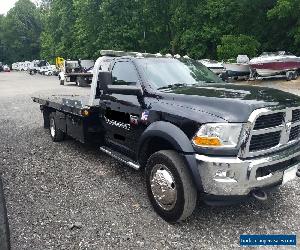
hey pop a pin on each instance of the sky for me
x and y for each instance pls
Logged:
(6, 5)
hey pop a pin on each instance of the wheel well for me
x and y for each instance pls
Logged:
(152, 145)
(46, 115)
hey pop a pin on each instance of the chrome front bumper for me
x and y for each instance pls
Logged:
(233, 176)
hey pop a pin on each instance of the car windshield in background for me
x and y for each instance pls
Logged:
(170, 72)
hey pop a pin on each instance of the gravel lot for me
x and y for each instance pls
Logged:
(70, 196)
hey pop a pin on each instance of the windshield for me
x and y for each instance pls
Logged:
(170, 72)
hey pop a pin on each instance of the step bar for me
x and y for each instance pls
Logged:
(122, 158)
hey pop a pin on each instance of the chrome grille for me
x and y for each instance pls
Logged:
(268, 121)
(296, 115)
(264, 141)
(270, 130)
(295, 132)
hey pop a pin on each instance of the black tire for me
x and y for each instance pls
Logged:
(62, 82)
(4, 227)
(56, 134)
(186, 193)
(295, 75)
(289, 75)
(224, 76)
(80, 81)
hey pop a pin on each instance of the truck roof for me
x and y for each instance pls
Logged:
(114, 53)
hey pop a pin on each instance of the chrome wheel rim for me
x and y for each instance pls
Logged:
(163, 187)
(52, 127)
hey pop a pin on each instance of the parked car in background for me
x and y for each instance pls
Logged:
(1, 66)
(14, 66)
(6, 68)
(46, 70)
(55, 71)
(38, 66)
(23, 66)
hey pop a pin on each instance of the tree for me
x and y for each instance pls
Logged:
(81, 28)
(58, 34)
(21, 30)
(286, 13)
(231, 46)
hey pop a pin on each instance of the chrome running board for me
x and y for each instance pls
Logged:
(122, 158)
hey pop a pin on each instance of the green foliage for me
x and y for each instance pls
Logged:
(231, 46)
(20, 33)
(198, 28)
(286, 14)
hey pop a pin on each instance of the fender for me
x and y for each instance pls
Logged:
(180, 142)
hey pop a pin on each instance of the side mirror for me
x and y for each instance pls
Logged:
(104, 79)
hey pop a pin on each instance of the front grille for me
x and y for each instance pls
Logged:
(272, 131)
(295, 132)
(268, 121)
(264, 141)
(296, 115)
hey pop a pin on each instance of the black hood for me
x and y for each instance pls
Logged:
(230, 102)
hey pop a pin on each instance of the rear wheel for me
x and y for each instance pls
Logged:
(170, 187)
(295, 75)
(56, 134)
(289, 75)
(81, 82)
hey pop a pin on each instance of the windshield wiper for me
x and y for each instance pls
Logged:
(174, 85)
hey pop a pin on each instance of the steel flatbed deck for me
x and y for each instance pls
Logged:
(73, 104)
(78, 74)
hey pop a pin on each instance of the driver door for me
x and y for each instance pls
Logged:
(122, 111)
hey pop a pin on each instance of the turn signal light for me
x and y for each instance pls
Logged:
(85, 112)
(207, 141)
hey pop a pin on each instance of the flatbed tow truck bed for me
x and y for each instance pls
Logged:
(73, 116)
(78, 74)
(73, 104)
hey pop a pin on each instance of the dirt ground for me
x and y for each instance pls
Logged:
(277, 83)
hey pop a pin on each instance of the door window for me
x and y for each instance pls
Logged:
(124, 73)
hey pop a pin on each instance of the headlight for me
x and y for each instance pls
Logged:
(218, 135)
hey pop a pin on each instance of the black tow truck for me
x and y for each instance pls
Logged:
(194, 135)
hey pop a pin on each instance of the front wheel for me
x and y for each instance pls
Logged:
(170, 187)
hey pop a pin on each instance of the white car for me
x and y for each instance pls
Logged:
(6, 68)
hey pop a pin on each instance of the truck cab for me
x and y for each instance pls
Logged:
(192, 134)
